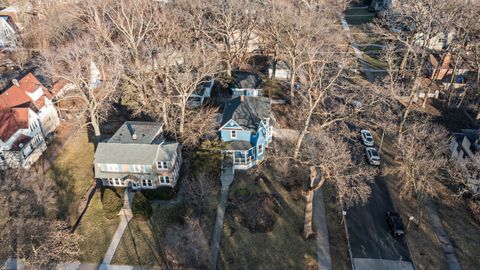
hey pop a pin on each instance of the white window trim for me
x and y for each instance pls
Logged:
(162, 167)
(260, 149)
(232, 132)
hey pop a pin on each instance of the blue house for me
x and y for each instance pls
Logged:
(247, 129)
(246, 83)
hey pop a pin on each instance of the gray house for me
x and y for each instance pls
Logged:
(138, 156)
(246, 83)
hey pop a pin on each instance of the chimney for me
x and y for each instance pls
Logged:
(15, 82)
(134, 134)
(242, 98)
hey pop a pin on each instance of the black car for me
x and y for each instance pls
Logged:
(395, 224)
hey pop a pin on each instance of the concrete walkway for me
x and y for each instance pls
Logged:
(226, 178)
(442, 236)
(125, 216)
(320, 221)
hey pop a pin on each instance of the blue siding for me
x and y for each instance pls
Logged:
(242, 135)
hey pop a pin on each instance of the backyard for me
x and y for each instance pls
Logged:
(275, 236)
(71, 174)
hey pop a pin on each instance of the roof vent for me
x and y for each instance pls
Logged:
(134, 135)
(15, 82)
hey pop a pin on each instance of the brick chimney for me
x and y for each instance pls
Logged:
(15, 82)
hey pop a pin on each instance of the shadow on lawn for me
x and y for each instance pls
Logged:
(64, 193)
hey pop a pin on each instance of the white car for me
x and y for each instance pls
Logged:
(373, 156)
(367, 137)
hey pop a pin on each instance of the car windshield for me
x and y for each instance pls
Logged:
(368, 138)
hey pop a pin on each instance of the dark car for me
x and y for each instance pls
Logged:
(395, 224)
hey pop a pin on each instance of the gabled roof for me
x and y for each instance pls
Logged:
(15, 102)
(11, 120)
(247, 112)
(246, 80)
(130, 154)
(16, 96)
(145, 132)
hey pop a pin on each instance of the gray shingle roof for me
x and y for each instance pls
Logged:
(247, 113)
(238, 145)
(246, 80)
(146, 133)
(140, 154)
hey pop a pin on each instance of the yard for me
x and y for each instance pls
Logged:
(277, 216)
(144, 243)
(71, 174)
(458, 222)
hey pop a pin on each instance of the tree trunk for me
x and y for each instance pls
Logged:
(95, 125)
(292, 82)
(182, 118)
(307, 226)
(404, 118)
(165, 114)
(298, 144)
(229, 69)
(404, 62)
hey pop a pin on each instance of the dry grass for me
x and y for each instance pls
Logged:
(460, 225)
(281, 248)
(71, 174)
(336, 231)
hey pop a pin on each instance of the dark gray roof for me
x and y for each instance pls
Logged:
(140, 154)
(246, 80)
(146, 133)
(246, 111)
(238, 145)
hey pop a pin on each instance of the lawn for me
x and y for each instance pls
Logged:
(71, 174)
(336, 230)
(281, 248)
(143, 243)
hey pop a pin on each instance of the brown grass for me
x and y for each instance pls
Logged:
(282, 248)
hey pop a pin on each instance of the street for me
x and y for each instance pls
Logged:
(368, 230)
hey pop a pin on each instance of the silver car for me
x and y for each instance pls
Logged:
(372, 156)
(367, 137)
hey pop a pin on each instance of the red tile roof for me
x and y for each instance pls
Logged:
(14, 104)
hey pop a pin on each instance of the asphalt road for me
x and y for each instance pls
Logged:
(368, 231)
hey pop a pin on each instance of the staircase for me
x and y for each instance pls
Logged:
(127, 202)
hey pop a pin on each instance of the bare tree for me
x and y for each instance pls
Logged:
(31, 236)
(330, 161)
(421, 157)
(94, 72)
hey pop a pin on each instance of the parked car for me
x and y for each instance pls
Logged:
(372, 156)
(395, 224)
(367, 137)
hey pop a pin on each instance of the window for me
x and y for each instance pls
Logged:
(137, 168)
(260, 149)
(162, 165)
(110, 181)
(147, 183)
(165, 180)
(2, 157)
(233, 134)
(112, 168)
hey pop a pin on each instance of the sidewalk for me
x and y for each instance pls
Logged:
(448, 249)
(125, 216)
(226, 178)
(320, 221)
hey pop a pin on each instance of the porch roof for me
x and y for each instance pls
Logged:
(238, 145)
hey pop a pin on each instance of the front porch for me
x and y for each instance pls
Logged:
(241, 159)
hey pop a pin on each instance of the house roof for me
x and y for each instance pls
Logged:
(146, 133)
(21, 140)
(247, 111)
(140, 154)
(9, 12)
(246, 80)
(11, 120)
(238, 145)
(19, 95)
(15, 102)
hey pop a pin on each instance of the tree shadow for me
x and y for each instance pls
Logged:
(64, 190)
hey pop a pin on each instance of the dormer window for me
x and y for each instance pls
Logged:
(162, 165)
(233, 134)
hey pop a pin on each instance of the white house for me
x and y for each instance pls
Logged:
(282, 71)
(27, 118)
(9, 27)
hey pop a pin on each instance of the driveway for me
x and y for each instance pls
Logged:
(372, 246)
